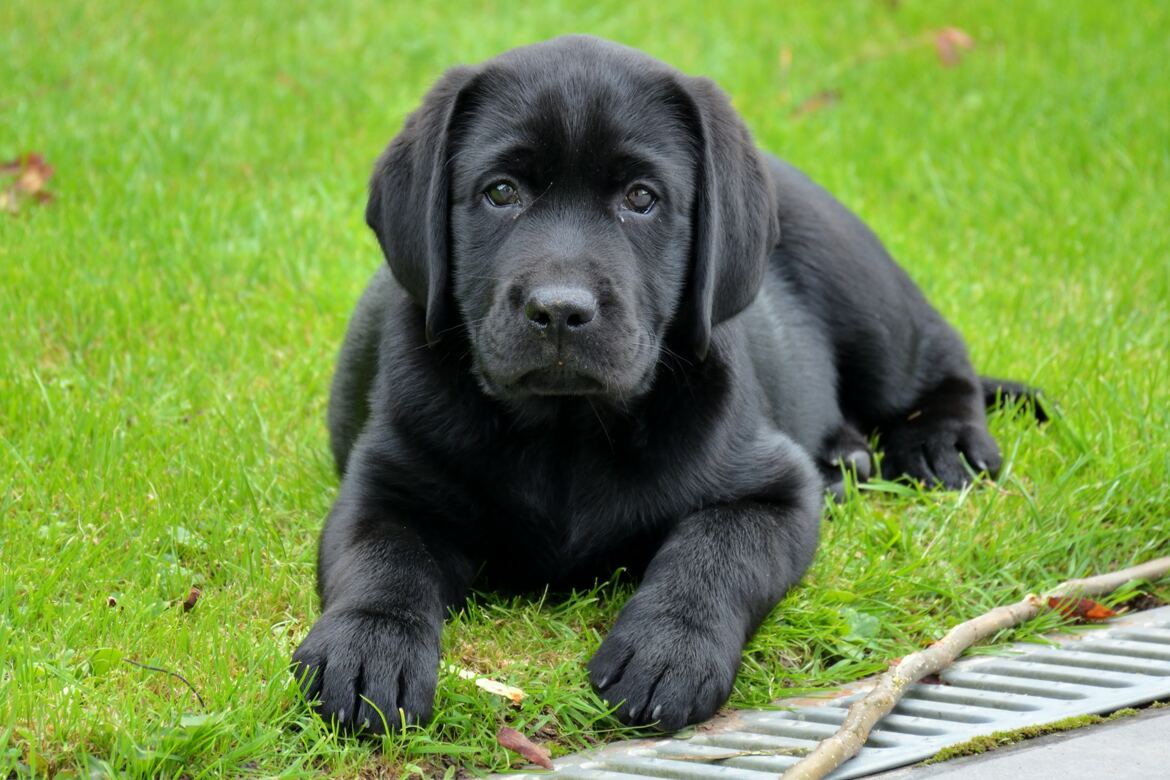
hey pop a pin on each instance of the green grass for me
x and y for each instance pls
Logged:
(170, 322)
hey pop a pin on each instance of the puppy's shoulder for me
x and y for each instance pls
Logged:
(384, 325)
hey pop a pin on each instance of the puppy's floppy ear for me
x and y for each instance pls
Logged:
(409, 199)
(736, 224)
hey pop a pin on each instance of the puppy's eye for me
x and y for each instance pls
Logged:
(639, 199)
(502, 193)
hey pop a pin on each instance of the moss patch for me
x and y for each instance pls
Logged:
(998, 739)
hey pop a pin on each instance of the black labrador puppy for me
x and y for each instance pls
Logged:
(611, 333)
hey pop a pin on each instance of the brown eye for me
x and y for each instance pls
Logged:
(639, 199)
(502, 193)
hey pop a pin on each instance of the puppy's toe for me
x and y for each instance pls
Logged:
(979, 450)
(679, 699)
(857, 461)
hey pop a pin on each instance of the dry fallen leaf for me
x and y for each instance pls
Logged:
(1080, 609)
(950, 43)
(517, 742)
(512, 693)
(32, 173)
(785, 60)
(819, 101)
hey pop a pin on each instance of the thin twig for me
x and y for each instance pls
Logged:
(833, 751)
(172, 674)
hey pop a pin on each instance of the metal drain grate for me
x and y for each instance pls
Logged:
(1100, 671)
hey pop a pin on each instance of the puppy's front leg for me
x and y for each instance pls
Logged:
(385, 589)
(673, 653)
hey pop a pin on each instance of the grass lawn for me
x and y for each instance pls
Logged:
(169, 324)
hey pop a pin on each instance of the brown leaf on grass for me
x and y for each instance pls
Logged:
(1080, 609)
(285, 80)
(32, 173)
(515, 741)
(820, 101)
(192, 599)
(950, 43)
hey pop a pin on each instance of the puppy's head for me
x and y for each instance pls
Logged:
(572, 206)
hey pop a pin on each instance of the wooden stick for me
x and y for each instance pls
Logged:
(891, 686)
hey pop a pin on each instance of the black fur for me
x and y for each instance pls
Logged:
(544, 386)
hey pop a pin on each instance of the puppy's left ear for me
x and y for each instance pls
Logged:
(409, 199)
(736, 223)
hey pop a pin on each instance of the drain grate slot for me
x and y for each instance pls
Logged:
(797, 729)
(743, 740)
(830, 715)
(1100, 678)
(586, 772)
(1151, 635)
(904, 724)
(975, 698)
(1005, 684)
(682, 770)
(770, 765)
(756, 763)
(1125, 664)
(899, 724)
(939, 711)
(1128, 649)
(1099, 661)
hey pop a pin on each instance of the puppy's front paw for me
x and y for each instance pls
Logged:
(361, 668)
(663, 673)
(944, 452)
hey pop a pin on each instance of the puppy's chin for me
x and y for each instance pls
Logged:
(560, 381)
(522, 374)
(550, 383)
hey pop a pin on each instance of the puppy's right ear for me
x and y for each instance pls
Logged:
(409, 199)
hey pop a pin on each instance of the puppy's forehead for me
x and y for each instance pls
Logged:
(577, 97)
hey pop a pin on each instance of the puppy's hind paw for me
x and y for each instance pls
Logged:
(948, 454)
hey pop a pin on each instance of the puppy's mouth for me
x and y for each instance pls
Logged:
(559, 381)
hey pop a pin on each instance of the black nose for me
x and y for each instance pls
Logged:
(560, 308)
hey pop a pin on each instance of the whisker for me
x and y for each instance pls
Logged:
(600, 422)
